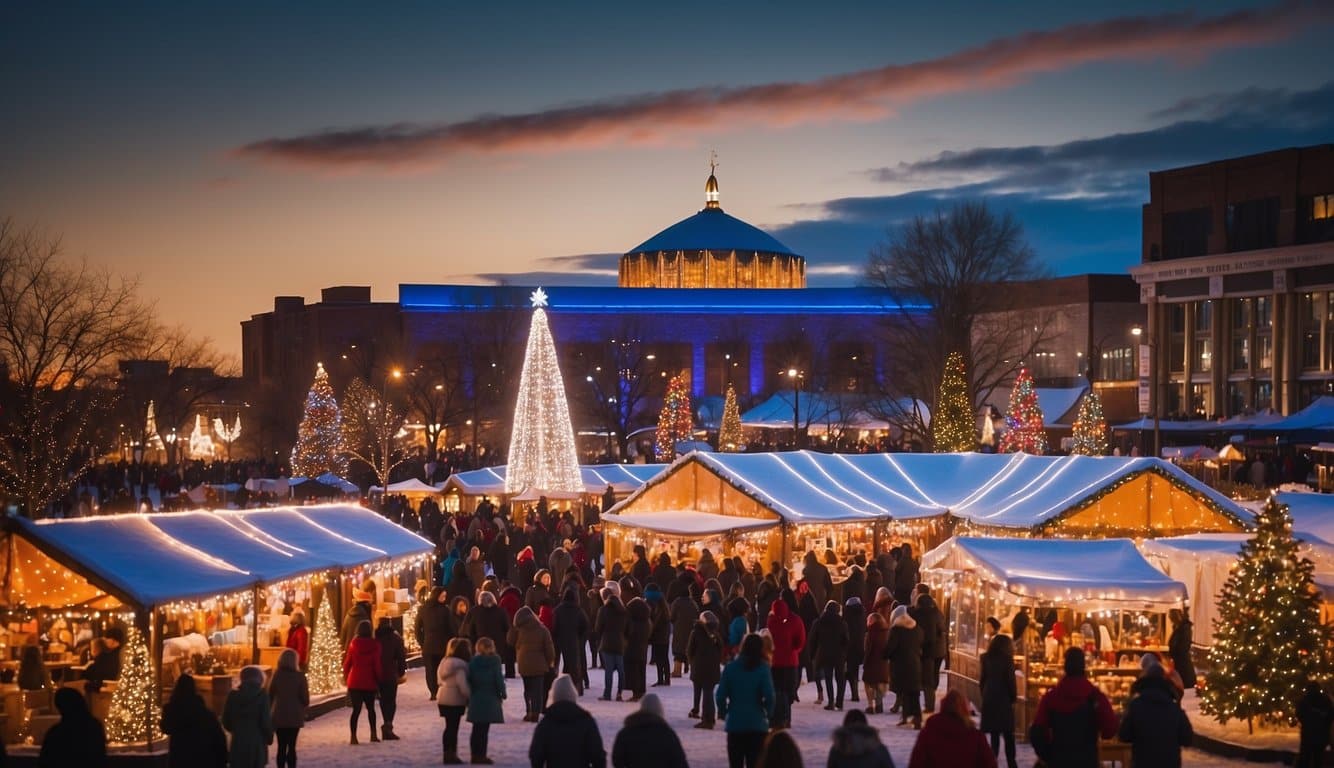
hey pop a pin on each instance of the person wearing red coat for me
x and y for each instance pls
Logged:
(789, 636)
(949, 740)
(298, 639)
(362, 670)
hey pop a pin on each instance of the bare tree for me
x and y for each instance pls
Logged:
(372, 425)
(62, 327)
(956, 262)
(614, 381)
(190, 372)
(436, 392)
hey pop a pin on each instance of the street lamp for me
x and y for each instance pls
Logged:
(1147, 341)
(794, 376)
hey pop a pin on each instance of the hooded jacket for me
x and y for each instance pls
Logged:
(932, 623)
(854, 616)
(289, 694)
(704, 648)
(745, 697)
(829, 639)
(610, 626)
(539, 591)
(361, 665)
(647, 741)
(569, 627)
(663, 573)
(904, 650)
(534, 653)
(789, 635)
(858, 746)
(487, 619)
(197, 740)
(435, 625)
(567, 737)
(78, 739)
(452, 675)
(876, 671)
(817, 577)
(393, 656)
(247, 715)
(684, 613)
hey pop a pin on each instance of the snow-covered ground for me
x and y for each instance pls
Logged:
(324, 741)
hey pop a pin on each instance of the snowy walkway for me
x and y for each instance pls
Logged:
(323, 742)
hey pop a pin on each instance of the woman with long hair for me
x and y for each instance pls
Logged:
(486, 687)
(289, 694)
(780, 751)
(745, 698)
(197, 740)
(453, 694)
(362, 671)
(949, 740)
(998, 695)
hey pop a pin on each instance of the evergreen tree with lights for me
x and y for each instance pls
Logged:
(674, 420)
(952, 422)
(542, 454)
(1023, 420)
(729, 432)
(134, 704)
(325, 672)
(1269, 641)
(319, 442)
(1090, 428)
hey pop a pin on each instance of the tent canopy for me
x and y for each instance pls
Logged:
(1061, 570)
(1017, 491)
(148, 560)
(1058, 404)
(412, 485)
(689, 522)
(1189, 452)
(1318, 416)
(490, 481)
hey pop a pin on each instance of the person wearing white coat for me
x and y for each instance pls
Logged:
(452, 696)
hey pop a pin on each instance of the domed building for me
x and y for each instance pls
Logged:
(712, 249)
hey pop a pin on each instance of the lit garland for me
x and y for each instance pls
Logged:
(319, 444)
(1023, 420)
(1269, 641)
(326, 657)
(134, 703)
(542, 453)
(729, 431)
(674, 421)
(1090, 428)
(952, 421)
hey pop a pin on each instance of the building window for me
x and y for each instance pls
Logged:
(1252, 224)
(1241, 352)
(1310, 391)
(1186, 233)
(1241, 314)
(1264, 314)
(1322, 207)
(1045, 366)
(1203, 355)
(1118, 364)
(1264, 395)
(1176, 355)
(1312, 315)
(1315, 222)
(1204, 316)
(1173, 398)
(1199, 400)
(1238, 399)
(1176, 318)
(1264, 347)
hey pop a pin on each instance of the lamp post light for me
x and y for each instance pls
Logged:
(1147, 341)
(794, 376)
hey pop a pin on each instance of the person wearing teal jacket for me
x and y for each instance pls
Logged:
(487, 688)
(745, 697)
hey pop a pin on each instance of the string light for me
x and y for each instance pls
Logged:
(952, 420)
(134, 703)
(1090, 428)
(542, 453)
(1023, 420)
(319, 443)
(325, 673)
(674, 420)
(729, 431)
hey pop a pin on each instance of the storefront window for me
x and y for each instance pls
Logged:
(1204, 316)
(1176, 355)
(1203, 355)
(1241, 353)
(1241, 313)
(1200, 401)
(1264, 312)
(1237, 399)
(1264, 345)
(1264, 395)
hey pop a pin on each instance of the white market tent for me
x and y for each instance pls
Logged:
(490, 481)
(1189, 453)
(411, 486)
(148, 560)
(1312, 514)
(689, 523)
(1107, 571)
(1058, 404)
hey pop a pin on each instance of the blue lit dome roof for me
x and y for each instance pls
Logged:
(712, 230)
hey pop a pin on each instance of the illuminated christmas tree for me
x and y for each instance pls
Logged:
(952, 422)
(1023, 420)
(134, 707)
(674, 421)
(542, 454)
(1090, 428)
(1269, 641)
(729, 432)
(319, 442)
(325, 673)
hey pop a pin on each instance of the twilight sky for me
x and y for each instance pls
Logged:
(230, 153)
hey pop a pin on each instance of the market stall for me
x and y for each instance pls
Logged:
(413, 489)
(464, 490)
(1101, 595)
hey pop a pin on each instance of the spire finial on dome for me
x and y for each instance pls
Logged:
(711, 186)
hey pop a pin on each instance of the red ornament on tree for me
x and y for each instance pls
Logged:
(1023, 420)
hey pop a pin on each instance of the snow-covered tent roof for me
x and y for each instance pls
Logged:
(1058, 404)
(329, 479)
(149, 560)
(1002, 491)
(412, 485)
(1060, 570)
(1189, 452)
(1312, 513)
(490, 481)
(1318, 416)
(689, 522)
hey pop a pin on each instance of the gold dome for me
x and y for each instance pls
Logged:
(711, 192)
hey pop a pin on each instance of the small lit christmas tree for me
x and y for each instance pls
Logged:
(674, 421)
(988, 427)
(134, 707)
(542, 452)
(1269, 641)
(729, 432)
(319, 442)
(952, 422)
(325, 673)
(1023, 420)
(1090, 428)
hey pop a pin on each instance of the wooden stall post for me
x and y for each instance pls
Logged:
(254, 625)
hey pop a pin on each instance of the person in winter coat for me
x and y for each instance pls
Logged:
(745, 698)
(510, 601)
(708, 567)
(525, 568)
(949, 739)
(857, 745)
(739, 626)
(248, 716)
(197, 740)
(567, 735)
(359, 612)
(298, 639)
(486, 688)
(789, 636)
(829, 650)
(434, 628)
(855, 584)
(817, 577)
(1156, 728)
(904, 651)
(560, 559)
(393, 665)
(363, 670)
(641, 569)
(78, 739)
(704, 648)
(610, 628)
(663, 573)
(541, 590)
(683, 613)
(1178, 647)
(932, 623)
(765, 595)
(854, 618)
(289, 695)
(660, 633)
(1070, 718)
(452, 700)
(646, 740)
(875, 673)
(638, 630)
(568, 633)
(535, 655)
(906, 575)
(999, 693)
(809, 612)
(1315, 713)
(486, 619)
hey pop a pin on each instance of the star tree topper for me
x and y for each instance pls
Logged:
(538, 297)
